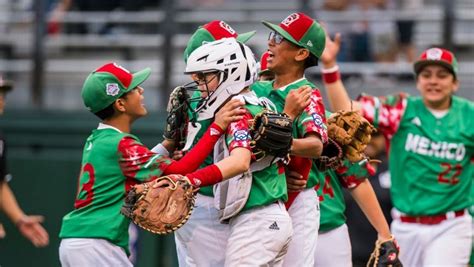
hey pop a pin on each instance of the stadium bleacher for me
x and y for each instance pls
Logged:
(136, 41)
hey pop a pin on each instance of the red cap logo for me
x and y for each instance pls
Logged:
(290, 19)
(434, 54)
(297, 24)
(219, 29)
(121, 73)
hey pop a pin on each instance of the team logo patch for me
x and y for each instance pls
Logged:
(227, 27)
(241, 135)
(318, 120)
(112, 89)
(290, 19)
(434, 54)
(309, 43)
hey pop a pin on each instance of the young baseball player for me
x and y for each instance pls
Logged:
(431, 141)
(28, 225)
(293, 46)
(95, 233)
(202, 240)
(252, 202)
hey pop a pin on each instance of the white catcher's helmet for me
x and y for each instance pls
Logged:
(236, 67)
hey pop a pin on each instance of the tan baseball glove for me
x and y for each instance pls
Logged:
(352, 132)
(163, 209)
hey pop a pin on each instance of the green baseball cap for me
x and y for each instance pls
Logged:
(302, 31)
(212, 31)
(109, 82)
(437, 56)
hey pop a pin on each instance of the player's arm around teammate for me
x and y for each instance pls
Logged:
(95, 233)
(202, 240)
(260, 227)
(297, 101)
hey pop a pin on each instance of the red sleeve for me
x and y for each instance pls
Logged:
(300, 165)
(314, 118)
(196, 156)
(209, 175)
(384, 112)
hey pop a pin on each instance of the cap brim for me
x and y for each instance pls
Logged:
(419, 65)
(138, 78)
(244, 37)
(281, 31)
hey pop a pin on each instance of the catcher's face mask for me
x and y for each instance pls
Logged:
(234, 68)
(202, 88)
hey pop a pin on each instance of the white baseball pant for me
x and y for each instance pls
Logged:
(304, 213)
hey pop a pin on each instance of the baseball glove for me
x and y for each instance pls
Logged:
(352, 132)
(331, 157)
(177, 120)
(160, 210)
(385, 254)
(272, 134)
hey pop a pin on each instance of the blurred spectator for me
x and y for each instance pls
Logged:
(342, 27)
(361, 232)
(405, 28)
(372, 36)
(56, 16)
(265, 74)
(383, 36)
(62, 6)
(28, 225)
(355, 44)
(359, 47)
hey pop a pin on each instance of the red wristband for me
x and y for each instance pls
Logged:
(331, 77)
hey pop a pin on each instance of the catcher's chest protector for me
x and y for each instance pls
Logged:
(230, 196)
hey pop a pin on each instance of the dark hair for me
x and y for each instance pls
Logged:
(109, 111)
(417, 74)
(310, 61)
(106, 112)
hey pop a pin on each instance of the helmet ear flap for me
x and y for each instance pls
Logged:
(252, 69)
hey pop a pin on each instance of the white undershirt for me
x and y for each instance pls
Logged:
(438, 113)
(106, 126)
(284, 86)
